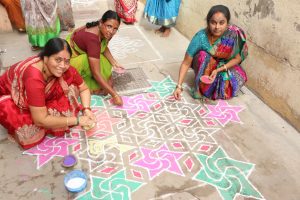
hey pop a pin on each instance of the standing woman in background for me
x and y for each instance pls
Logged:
(126, 10)
(163, 13)
(41, 21)
(13, 8)
(65, 14)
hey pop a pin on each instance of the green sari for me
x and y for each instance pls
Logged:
(80, 61)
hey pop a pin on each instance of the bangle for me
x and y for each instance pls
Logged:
(179, 87)
(77, 121)
(225, 67)
(115, 96)
(86, 108)
(67, 121)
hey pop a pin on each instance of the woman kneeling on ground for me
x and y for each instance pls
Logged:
(39, 96)
(216, 51)
(91, 56)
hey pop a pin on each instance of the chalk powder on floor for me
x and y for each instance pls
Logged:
(75, 183)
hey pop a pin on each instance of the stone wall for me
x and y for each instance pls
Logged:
(273, 30)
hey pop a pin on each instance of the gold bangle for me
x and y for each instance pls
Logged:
(225, 67)
(115, 96)
(86, 108)
(179, 87)
(77, 120)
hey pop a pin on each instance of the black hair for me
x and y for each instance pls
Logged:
(106, 16)
(218, 8)
(53, 46)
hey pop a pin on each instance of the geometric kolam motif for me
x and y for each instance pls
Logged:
(164, 88)
(229, 176)
(122, 46)
(50, 148)
(224, 113)
(152, 136)
(160, 160)
(117, 187)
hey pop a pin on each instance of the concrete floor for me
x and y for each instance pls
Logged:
(244, 152)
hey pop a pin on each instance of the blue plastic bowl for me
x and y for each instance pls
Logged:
(75, 181)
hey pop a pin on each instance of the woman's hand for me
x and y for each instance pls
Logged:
(86, 121)
(117, 65)
(117, 100)
(118, 68)
(89, 114)
(213, 74)
(177, 93)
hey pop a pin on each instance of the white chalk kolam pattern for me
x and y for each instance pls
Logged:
(153, 134)
(121, 46)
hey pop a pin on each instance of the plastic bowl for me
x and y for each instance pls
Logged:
(205, 79)
(69, 161)
(75, 181)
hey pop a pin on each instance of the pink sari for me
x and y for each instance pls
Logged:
(61, 96)
(126, 10)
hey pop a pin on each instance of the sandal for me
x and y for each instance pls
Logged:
(35, 48)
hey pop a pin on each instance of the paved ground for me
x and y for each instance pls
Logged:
(155, 147)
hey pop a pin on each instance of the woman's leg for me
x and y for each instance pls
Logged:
(19, 124)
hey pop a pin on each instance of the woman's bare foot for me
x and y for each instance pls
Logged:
(160, 30)
(21, 30)
(167, 32)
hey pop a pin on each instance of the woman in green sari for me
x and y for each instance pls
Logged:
(41, 20)
(91, 56)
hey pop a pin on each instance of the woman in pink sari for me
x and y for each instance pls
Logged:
(126, 10)
(39, 96)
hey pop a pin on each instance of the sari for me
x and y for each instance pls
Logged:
(162, 12)
(13, 8)
(126, 10)
(207, 57)
(42, 22)
(80, 61)
(60, 99)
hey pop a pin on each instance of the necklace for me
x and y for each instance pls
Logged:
(44, 71)
(211, 39)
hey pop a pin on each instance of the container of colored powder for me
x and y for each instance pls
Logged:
(69, 161)
(75, 181)
(205, 79)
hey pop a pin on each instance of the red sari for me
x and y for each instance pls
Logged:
(21, 86)
(126, 10)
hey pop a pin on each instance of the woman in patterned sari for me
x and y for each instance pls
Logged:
(65, 14)
(92, 57)
(126, 10)
(42, 22)
(39, 96)
(217, 52)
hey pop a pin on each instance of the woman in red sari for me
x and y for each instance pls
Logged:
(126, 10)
(39, 96)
